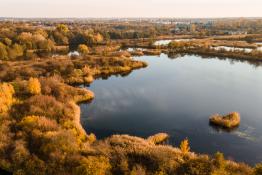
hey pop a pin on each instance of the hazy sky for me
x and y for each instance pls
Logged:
(131, 8)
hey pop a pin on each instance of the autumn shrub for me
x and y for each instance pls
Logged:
(219, 160)
(44, 124)
(20, 153)
(184, 146)
(6, 97)
(236, 168)
(138, 170)
(88, 79)
(158, 138)
(35, 165)
(3, 52)
(53, 86)
(58, 143)
(15, 51)
(133, 151)
(78, 132)
(41, 105)
(258, 169)
(83, 49)
(34, 86)
(20, 88)
(26, 73)
(61, 66)
(91, 138)
(6, 140)
(196, 166)
(7, 41)
(93, 165)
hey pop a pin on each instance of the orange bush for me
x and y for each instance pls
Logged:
(34, 86)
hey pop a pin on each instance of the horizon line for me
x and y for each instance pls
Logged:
(222, 17)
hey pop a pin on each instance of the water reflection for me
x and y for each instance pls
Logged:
(166, 42)
(177, 96)
(231, 61)
(233, 49)
(162, 42)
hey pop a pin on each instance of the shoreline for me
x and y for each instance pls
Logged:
(156, 133)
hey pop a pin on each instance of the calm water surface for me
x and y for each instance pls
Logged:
(177, 96)
(166, 42)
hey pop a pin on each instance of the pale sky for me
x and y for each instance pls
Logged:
(130, 8)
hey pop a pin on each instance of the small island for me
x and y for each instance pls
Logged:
(228, 121)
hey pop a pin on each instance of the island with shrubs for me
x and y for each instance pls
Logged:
(229, 121)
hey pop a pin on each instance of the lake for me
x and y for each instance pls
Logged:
(177, 96)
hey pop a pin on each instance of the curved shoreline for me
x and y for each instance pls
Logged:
(114, 85)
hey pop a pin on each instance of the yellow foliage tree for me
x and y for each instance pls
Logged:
(83, 49)
(62, 28)
(6, 97)
(98, 38)
(184, 146)
(91, 138)
(3, 52)
(34, 86)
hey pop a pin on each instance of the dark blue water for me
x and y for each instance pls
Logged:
(177, 96)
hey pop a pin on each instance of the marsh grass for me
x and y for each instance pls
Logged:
(158, 138)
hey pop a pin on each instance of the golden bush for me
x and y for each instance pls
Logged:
(158, 138)
(83, 49)
(6, 97)
(184, 146)
(93, 165)
(34, 86)
(91, 138)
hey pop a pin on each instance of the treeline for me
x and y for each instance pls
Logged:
(251, 26)
(229, 26)
(29, 42)
(208, 48)
(38, 39)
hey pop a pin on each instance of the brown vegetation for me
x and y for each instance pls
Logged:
(151, 52)
(6, 97)
(158, 138)
(205, 47)
(77, 70)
